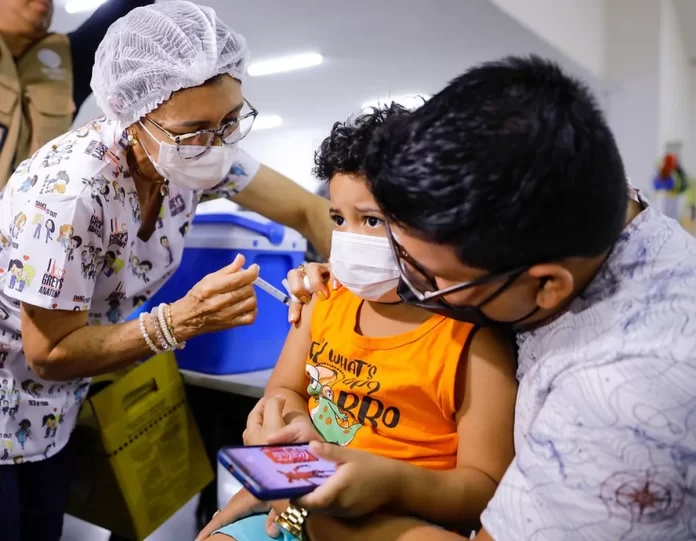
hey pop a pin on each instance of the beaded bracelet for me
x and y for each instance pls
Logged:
(171, 341)
(160, 332)
(146, 335)
(170, 325)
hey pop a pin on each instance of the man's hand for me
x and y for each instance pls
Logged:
(242, 505)
(363, 482)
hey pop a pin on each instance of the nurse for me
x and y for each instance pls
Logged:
(94, 223)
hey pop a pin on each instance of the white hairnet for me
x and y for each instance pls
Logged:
(159, 49)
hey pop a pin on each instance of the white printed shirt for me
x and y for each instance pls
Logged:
(69, 218)
(605, 428)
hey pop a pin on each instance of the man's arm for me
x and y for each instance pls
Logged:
(606, 456)
(280, 199)
(85, 40)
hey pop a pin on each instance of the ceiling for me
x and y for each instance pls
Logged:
(371, 48)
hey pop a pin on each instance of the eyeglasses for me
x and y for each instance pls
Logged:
(194, 145)
(423, 285)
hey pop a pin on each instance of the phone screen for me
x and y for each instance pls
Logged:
(280, 468)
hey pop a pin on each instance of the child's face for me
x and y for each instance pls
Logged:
(353, 209)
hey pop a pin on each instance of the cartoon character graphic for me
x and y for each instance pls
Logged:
(14, 403)
(6, 449)
(297, 474)
(119, 193)
(113, 314)
(32, 388)
(112, 263)
(65, 235)
(24, 432)
(160, 218)
(140, 269)
(92, 259)
(334, 424)
(21, 275)
(5, 243)
(50, 229)
(57, 154)
(48, 448)
(57, 184)
(28, 184)
(184, 229)
(18, 224)
(164, 241)
(50, 421)
(38, 222)
(134, 205)
(81, 392)
(99, 188)
(5, 407)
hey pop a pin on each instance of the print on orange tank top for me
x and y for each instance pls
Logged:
(393, 396)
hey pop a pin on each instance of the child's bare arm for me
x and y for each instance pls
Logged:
(486, 393)
(289, 378)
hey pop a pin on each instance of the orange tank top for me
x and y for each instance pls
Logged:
(392, 396)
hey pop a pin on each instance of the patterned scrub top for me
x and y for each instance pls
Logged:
(605, 429)
(69, 218)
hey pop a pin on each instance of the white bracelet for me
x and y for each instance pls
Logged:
(163, 342)
(171, 341)
(146, 336)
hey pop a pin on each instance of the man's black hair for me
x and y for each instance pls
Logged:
(512, 164)
(343, 151)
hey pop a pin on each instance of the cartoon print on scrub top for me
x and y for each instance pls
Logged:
(58, 153)
(18, 224)
(32, 388)
(113, 314)
(134, 205)
(28, 184)
(24, 432)
(92, 258)
(99, 188)
(164, 241)
(21, 274)
(6, 448)
(113, 264)
(119, 193)
(51, 422)
(55, 184)
(334, 424)
(139, 268)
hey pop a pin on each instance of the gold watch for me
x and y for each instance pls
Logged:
(291, 521)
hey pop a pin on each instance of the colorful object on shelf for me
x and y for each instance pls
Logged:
(670, 176)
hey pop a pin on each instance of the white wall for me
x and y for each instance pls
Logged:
(675, 85)
(575, 27)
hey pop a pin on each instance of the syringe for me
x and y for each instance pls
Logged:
(273, 291)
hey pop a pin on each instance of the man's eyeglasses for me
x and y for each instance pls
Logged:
(194, 145)
(423, 285)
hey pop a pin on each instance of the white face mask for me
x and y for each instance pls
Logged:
(201, 173)
(364, 265)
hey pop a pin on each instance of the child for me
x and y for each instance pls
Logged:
(365, 370)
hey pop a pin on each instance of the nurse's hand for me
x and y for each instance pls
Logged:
(221, 300)
(306, 280)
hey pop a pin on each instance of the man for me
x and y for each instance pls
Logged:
(44, 78)
(509, 207)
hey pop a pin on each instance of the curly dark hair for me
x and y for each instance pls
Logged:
(343, 151)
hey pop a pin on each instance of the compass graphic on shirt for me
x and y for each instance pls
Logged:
(643, 497)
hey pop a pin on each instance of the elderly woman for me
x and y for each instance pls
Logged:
(94, 223)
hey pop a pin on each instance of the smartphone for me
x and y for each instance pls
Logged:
(277, 472)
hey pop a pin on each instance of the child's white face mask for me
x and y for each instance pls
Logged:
(363, 264)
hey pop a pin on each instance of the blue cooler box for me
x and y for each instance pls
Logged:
(212, 243)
